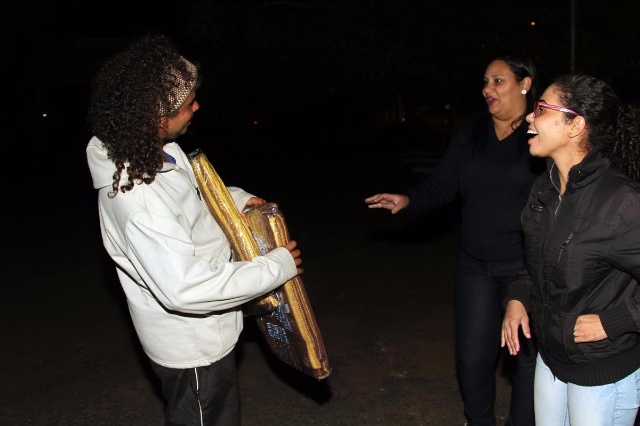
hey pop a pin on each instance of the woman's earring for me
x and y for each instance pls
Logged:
(524, 91)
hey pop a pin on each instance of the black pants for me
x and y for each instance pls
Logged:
(203, 396)
(481, 288)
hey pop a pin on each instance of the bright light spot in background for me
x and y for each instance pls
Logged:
(44, 115)
(256, 122)
(533, 24)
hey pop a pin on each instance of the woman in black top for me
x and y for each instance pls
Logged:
(488, 164)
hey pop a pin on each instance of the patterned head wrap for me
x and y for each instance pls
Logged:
(183, 83)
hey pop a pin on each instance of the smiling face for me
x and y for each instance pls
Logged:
(551, 131)
(503, 93)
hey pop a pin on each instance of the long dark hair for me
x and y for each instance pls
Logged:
(124, 106)
(522, 66)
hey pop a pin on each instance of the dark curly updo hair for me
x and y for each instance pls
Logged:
(130, 93)
(613, 126)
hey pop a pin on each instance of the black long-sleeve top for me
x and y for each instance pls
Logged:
(493, 178)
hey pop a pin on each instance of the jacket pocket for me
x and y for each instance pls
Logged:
(563, 247)
(571, 348)
(536, 207)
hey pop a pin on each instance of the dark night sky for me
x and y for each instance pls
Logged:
(282, 57)
(336, 65)
(287, 33)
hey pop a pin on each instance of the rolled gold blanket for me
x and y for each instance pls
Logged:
(284, 316)
(235, 228)
(294, 335)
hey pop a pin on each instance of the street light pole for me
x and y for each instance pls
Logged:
(573, 36)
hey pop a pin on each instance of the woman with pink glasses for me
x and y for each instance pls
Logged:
(581, 297)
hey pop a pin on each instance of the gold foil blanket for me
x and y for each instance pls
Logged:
(284, 316)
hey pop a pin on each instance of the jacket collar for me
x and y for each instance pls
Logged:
(592, 166)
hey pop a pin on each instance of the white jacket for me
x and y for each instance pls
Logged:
(174, 262)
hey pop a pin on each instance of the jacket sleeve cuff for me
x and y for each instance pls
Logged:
(283, 257)
(413, 204)
(520, 289)
(617, 321)
(240, 197)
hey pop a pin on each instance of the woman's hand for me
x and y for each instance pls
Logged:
(588, 328)
(514, 317)
(393, 202)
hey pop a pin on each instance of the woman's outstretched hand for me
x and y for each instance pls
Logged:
(393, 202)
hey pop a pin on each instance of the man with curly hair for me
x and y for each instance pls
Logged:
(184, 294)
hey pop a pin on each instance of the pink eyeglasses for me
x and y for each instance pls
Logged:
(539, 105)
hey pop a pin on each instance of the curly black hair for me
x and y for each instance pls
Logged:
(125, 102)
(612, 125)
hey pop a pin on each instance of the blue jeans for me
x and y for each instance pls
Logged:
(481, 288)
(564, 404)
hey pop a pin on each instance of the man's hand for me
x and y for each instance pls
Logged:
(255, 201)
(295, 253)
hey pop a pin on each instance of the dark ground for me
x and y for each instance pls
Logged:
(380, 286)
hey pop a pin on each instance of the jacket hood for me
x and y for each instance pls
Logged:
(100, 165)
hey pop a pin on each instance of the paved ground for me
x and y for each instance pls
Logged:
(380, 286)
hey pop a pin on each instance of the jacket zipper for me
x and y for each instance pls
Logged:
(545, 289)
(555, 213)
